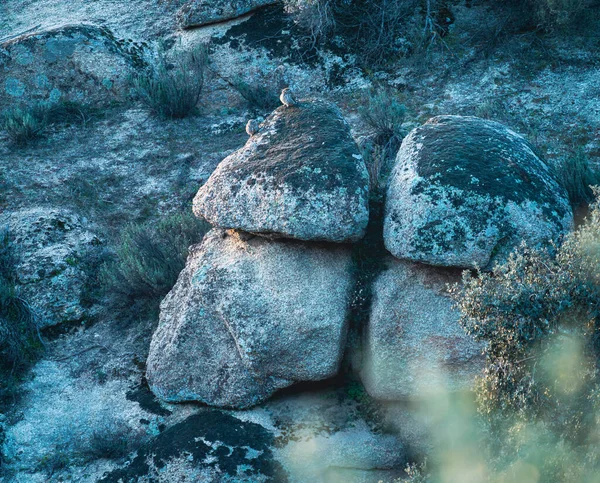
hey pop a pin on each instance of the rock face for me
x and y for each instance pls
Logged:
(196, 13)
(413, 340)
(80, 63)
(300, 177)
(250, 316)
(50, 244)
(464, 192)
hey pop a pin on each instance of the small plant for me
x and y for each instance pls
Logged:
(149, 257)
(173, 89)
(577, 176)
(24, 125)
(110, 442)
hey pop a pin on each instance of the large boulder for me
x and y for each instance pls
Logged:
(51, 245)
(196, 13)
(78, 63)
(249, 316)
(464, 192)
(300, 177)
(414, 343)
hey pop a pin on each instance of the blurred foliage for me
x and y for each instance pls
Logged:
(535, 415)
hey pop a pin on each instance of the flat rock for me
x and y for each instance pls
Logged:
(465, 192)
(414, 343)
(300, 177)
(196, 13)
(50, 244)
(78, 63)
(249, 316)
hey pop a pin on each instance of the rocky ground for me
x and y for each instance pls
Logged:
(71, 193)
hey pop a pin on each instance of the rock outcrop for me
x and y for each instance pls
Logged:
(464, 192)
(50, 244)
(78, 63)
(300, 177)
(249, 316)
(414, 343)
(196, 13)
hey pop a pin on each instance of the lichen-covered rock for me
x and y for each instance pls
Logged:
(50, 244)
(300, 177)
(196, 13)
(78, 63)
(249, 316)
(414, 343)
(464, 192)
(207, 446)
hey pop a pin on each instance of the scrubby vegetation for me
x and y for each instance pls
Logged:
(538, 400)
(23, 125)
(149, 257)
(172, 89)
(378, 31)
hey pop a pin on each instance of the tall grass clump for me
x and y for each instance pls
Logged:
(25, 124)
(384, 114)
(261, 96)
(19, 337)
(149, 257)
(577, 175)
(172, 89)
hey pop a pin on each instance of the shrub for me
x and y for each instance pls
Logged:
(19, 337)
(377, 31)
(537, 411)
(173, 89)
(316, 17)
(149, 257)
(530, 311)
(549, 14)
(24, 125)
(577, 176)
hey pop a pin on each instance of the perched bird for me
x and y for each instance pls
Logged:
(287, 98)
(252, 127)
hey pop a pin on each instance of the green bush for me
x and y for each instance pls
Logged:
(173, 89)
(19, 337)
(149, 257)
